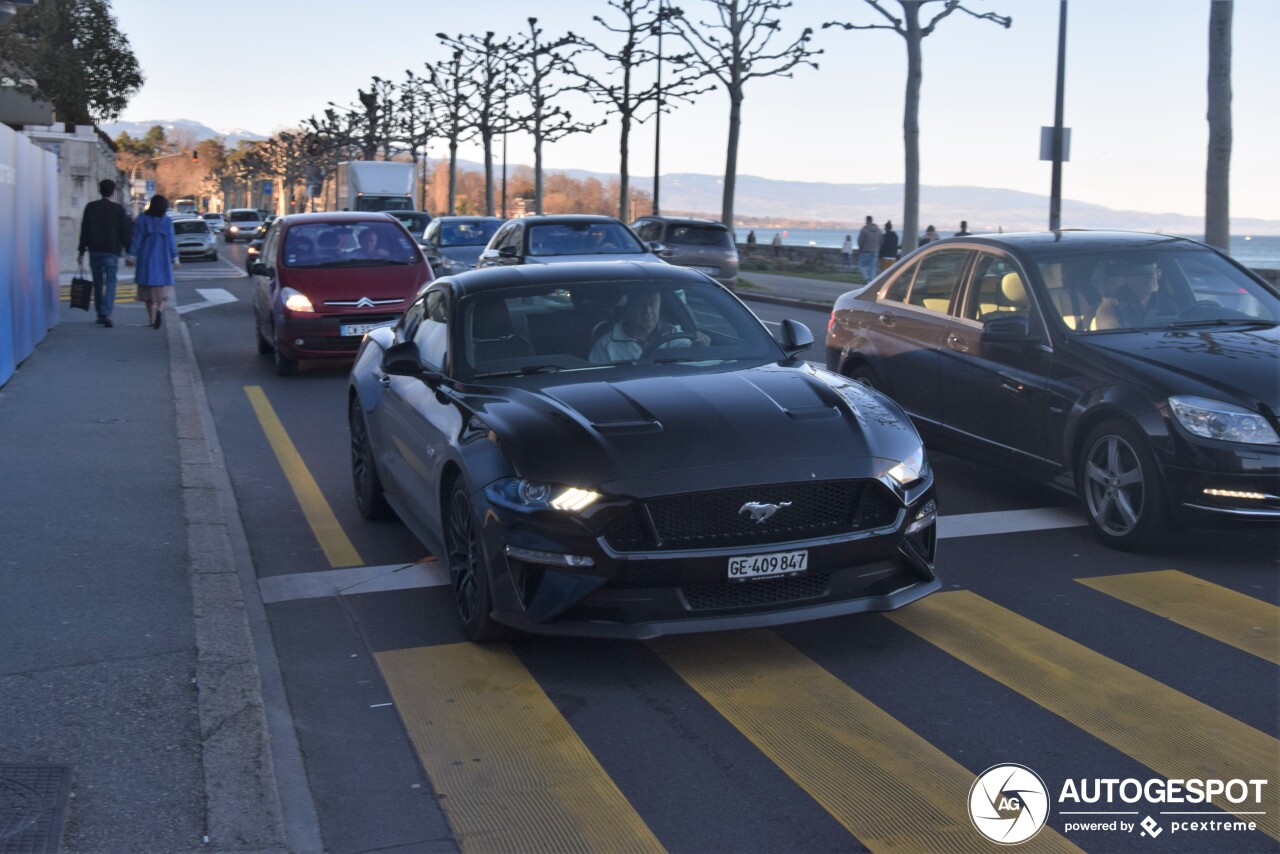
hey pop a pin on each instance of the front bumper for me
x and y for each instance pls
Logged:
(318, 336)
(641, 595)
(196, 250)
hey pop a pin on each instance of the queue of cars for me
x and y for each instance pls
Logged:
(615, 446)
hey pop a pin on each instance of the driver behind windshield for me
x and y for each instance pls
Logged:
(1131, 286)
(640, 328)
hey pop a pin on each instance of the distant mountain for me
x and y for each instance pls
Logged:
(200, 131)
(847, 205)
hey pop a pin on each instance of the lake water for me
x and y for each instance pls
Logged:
(1261, 252)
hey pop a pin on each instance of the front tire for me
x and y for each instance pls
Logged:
(1119, 486)
(285, 367)
(468, 571)
(364, 471)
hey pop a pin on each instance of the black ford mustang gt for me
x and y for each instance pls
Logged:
(622, 450)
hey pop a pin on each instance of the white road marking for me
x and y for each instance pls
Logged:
(411, 576)
(1009, 522)
(212, 296)
(357, 579)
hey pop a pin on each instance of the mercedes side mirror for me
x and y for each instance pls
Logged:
(1008, 330)
(260, 269)
(508, 252)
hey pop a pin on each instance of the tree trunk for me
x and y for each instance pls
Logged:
(624, 178)
(731, 156)
(1217, 208)
(911, 130)
(537, 163)
(487, 136)
(453, 173)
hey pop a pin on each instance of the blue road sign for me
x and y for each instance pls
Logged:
(151, 187)
(266, 187)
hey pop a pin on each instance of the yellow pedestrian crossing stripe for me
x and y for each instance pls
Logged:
(512, 774)
(889, 787)
(124, 293)
(1169, 732)
(1224, 615)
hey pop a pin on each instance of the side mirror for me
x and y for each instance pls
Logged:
(402, 360)
(508, 252)
(658, 249)
(794, 337)
(487, 257)
(1008, 330)
(260, 269)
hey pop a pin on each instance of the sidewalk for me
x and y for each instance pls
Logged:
(129, 686)
(795, 291)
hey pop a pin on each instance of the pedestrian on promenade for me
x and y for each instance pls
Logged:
(777, 244)
(846, 250)
(888, 246)
(157, 253)
(105, 232)
(930, 235)
(964, 229)
(869, 249)
(751, 240)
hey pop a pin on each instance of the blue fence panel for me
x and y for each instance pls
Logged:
(28, 248)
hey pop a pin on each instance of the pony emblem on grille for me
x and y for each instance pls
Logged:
(761, 512)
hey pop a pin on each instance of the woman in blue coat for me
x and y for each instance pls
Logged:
(157, 253)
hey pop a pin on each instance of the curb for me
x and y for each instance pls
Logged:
(256, 798)
(787, 301)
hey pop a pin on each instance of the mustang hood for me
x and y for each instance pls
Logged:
(719, 426)
(1239, 363)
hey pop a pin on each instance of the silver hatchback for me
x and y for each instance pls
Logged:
(699, 244)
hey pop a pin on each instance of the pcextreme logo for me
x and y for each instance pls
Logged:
(1008, 804)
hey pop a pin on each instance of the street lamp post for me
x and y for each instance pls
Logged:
(1055, 186)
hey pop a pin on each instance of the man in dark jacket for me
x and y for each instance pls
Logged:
(105, 232)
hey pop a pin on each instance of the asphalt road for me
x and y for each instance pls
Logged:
(852, 733)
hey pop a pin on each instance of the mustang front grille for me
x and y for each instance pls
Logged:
(765, 591)
(752, 516)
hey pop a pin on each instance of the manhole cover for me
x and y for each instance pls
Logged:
(33, 804)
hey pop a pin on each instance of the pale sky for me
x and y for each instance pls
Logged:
(1135, 90)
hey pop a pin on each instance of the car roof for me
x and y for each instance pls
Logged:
(554, 219)
(1071, 241)
(337, 217)
(685, 220)
(495, 278)
(462, 217)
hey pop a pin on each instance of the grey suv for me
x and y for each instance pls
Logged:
(699, 244)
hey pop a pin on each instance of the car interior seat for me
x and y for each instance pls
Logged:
(493, 334)
(1013, 293)
(327, 244)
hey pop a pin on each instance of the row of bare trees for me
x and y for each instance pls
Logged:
(488, 86)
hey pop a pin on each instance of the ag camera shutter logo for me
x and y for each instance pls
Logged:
(1008, 804)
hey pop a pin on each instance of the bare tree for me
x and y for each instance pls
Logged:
(488, 63)
(620, 93)
(737, 47)
(1217, 207)
(909, 27)
(540, 67)
(420, 101)
(455, 89)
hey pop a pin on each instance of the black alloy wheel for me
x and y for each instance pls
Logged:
(1119, 486)
(467, 571)
(370, 501)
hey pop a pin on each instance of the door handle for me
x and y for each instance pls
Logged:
(957, 343)
(886, 319)
(385, 381)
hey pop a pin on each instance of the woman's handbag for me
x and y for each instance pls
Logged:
(81, 291)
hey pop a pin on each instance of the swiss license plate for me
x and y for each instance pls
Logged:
(763, 566)
(346, 329)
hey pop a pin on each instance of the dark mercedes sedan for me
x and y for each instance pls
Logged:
(1139, 370)
(622, 450)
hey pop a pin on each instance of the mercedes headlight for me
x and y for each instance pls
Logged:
(522, 494)
(295, 300)
(1214, 419)
(914, 467)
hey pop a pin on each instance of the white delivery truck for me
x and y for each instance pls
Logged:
(374, 185)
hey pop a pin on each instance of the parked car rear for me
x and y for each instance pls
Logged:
(699, 244)
(325, 279)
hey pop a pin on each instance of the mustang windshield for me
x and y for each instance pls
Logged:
(1153, 288)
(541, 329)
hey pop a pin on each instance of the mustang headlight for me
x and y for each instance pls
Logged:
(1214, 419)
(295, 300)
(911, 469)
(534, 495)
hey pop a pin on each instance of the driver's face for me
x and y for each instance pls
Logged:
(642, 313)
